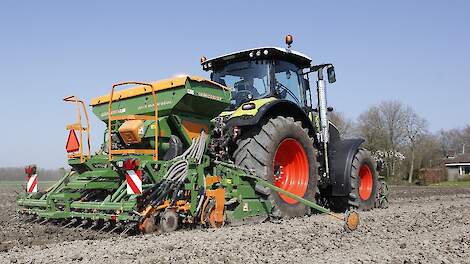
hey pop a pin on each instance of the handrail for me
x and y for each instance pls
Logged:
(78, 102)
(142, 117)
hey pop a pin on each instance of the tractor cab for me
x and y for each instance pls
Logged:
(268, 76)
(260, 73)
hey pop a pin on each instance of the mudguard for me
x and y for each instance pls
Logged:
(273, 108)
(341, 154)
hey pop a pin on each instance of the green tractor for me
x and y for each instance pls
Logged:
(246, 145)
(272, 128)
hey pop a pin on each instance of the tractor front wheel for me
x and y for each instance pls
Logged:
(364, 181)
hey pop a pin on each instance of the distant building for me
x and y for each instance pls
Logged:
(458, 167)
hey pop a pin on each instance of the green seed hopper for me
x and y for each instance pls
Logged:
(153, 171)
(185, 107)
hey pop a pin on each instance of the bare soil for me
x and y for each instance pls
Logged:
(422, 225)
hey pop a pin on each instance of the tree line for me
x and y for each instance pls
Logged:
(18, 174)
(400, 138)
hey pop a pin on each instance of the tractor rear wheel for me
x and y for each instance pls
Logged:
(364, 181)
(281, 152)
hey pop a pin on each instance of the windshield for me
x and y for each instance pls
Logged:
(248, 80)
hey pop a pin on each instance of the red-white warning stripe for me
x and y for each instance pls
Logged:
(134, 182)
(32, 185)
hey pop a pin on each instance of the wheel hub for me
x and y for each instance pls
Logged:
(291, 169)
(366, 182)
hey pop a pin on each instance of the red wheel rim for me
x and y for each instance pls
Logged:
(365, 184)
(290, 167)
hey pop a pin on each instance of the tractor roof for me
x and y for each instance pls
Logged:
(297, 58)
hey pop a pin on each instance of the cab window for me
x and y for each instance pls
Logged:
(288, 83)
(248, 80)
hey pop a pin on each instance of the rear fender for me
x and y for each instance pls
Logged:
(340, 157)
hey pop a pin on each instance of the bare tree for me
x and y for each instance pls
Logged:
(428, 152)
(455, 140)
(371, 128)
(415, 128)
(393, 113)
(383, 127)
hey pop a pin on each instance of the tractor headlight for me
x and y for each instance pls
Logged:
(248, 106)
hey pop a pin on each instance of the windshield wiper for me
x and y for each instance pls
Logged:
(288, 91)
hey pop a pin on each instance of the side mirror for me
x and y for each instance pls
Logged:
(331, 74)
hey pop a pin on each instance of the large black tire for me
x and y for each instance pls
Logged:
(364, 181)
(257, 150)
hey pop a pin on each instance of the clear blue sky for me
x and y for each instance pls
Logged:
(415, 51)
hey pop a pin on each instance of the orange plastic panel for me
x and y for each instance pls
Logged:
(129, 131)
(193, 129)
(72, 142)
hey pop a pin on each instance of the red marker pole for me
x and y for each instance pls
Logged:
(32, 179)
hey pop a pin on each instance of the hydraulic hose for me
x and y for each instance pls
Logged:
(178, 171)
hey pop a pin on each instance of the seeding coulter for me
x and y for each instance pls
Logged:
(245, 146)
